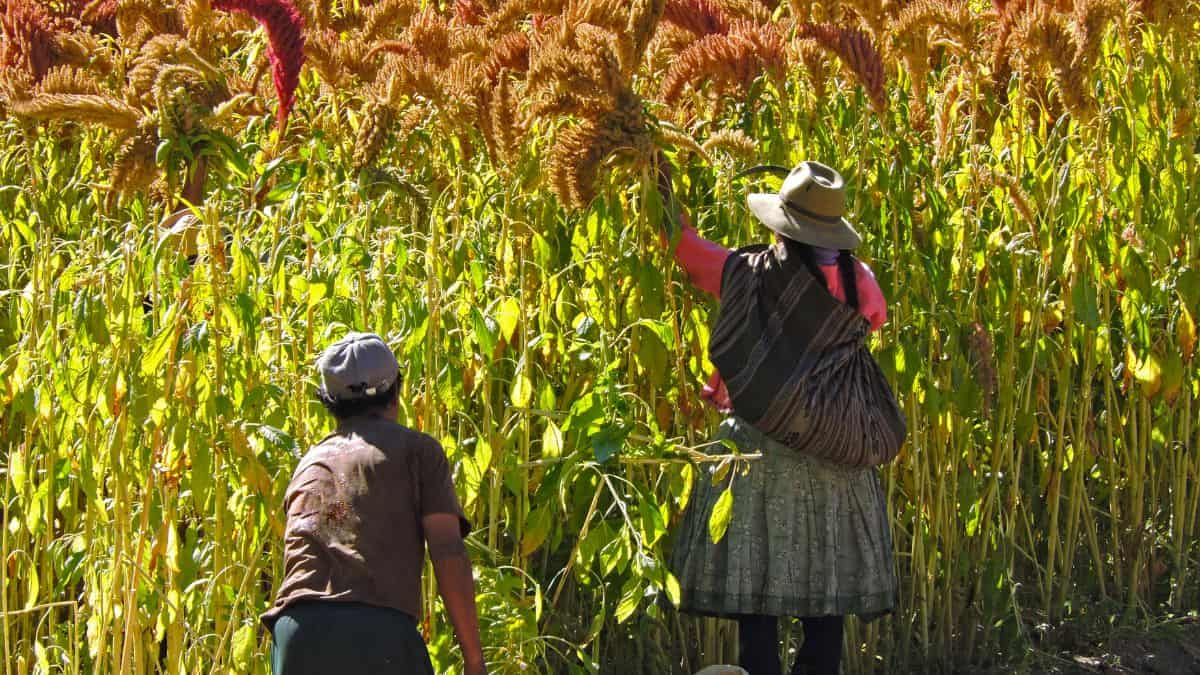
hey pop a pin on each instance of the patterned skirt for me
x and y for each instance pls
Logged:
(806, 538)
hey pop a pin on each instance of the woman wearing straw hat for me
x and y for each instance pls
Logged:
(362, 507)
(808, 535)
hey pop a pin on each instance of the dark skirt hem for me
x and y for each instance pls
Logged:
(867, 608)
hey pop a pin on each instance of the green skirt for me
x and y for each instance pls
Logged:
(806, 538)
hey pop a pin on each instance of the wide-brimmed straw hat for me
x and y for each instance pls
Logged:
(809, 207)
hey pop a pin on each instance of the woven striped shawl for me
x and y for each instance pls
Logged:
(796, 364)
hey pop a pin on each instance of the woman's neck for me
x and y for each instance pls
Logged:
(824, 256)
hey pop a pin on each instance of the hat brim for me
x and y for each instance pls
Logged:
(769, 210)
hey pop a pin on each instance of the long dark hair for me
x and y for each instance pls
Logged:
(845, 264)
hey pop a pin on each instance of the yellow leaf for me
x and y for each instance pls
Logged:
(483, 455)
(1185, 332)
(317, 290)
(552, 440)
(522, 390)
(244, 643)
(722, 471)
(508, 315)
(722, 513)
(1147, 372)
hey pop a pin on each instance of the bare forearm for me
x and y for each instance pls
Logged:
(457, 588)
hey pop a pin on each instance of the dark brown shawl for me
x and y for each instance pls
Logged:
(796, 364)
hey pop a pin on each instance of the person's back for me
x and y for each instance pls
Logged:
(361, 507)
(354, 515)
(807, 534)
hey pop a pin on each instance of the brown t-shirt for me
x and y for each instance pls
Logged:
(354, 510)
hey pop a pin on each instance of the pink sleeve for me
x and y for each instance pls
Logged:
(871, 302)
(702, 260)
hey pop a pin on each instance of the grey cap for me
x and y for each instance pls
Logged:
(357, 366)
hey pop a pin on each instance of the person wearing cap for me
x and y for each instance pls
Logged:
(362, 507)
(808, 536)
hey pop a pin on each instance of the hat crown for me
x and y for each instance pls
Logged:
(357, 366)
(815, 189)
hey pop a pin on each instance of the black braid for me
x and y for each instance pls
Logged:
(846, 266)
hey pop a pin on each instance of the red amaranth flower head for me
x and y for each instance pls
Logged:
(28, 32)
(469, 13)
(702, 17)
(99, 15)
(285, 32)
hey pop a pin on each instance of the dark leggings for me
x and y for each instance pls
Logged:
(821, 653)
(347, 638)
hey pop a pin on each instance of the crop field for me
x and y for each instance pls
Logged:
(475, 181)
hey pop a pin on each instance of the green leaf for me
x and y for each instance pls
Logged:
(1188, 286)
(615, 556)
(1087, 311)
(607, 442)
(153, 358)
(653, 523)
(483, 454)
(631, 597)
(280, 192)
(653, 357)
(1134, 269)
(537, 528)
(600, 536)
(722, 513)
(276, 438)
(35, 513)
(485, 329)
(584, 411)
(472, 479)
(672, 589)
(201, 473)
(585, 327)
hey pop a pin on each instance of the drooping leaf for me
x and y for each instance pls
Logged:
(722, 513)
(522, 390)
(537, 528)
(606, 442)
(508, 315)
(631, 597)
(552, 440)
(276, 438)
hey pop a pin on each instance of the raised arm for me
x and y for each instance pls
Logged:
(456, 585)
(702, 259)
